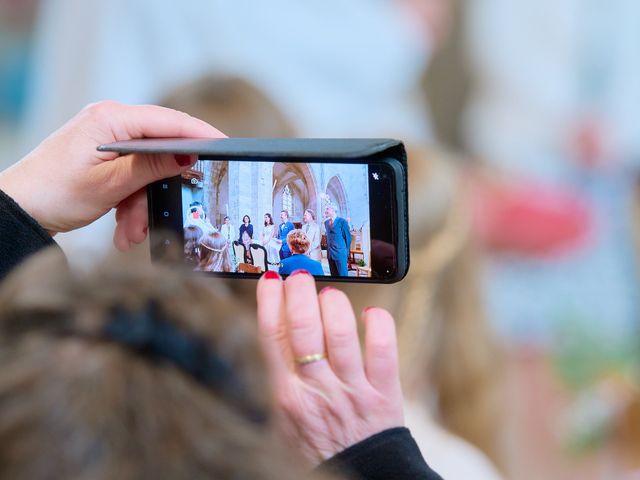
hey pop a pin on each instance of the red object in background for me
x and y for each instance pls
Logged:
(528, 219)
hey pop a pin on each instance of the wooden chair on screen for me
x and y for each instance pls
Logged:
(239, 251)
(259, 255)
(248, 268)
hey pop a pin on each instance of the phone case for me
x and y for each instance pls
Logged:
(292, 149)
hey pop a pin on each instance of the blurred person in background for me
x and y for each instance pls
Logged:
(16, 46)
(552, 119)
(451, 361)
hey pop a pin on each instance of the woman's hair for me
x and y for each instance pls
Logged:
(270, 222)
(311, 212)
(192, 235)
(236, 106)
(450, 359)
(441, 309)
(131, 371)
(214, 254)
(248, 217)
(298, 241)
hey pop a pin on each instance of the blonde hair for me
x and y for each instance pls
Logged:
(445, 340)
(214, 254)
(234, 105)
(78, 402)
(450, 360)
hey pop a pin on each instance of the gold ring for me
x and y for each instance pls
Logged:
(307, 359)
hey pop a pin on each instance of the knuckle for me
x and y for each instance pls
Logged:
(101, 108)
(301, 324)
(380, 348)
(341, 336)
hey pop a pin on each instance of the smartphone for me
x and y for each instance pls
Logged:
(336, 208)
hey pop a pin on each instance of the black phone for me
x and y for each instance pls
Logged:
(336, 208)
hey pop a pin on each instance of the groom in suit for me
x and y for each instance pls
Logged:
(338, 242)
(283, 230)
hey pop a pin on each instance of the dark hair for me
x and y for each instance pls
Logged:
(270, 219)
(285, 211)
(192, 235)
(195, 203)
(246, 216)
(311, 212)
(225, 218)
(138, 399)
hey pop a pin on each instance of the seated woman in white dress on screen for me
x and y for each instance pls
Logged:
(267, 240)
(312, 230)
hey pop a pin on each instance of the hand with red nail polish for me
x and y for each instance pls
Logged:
(75, 184)
(329, 393)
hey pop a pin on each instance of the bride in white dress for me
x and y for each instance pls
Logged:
(268, 240)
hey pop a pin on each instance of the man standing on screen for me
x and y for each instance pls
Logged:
(338, 242)
(283, 230)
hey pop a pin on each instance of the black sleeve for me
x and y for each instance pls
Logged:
(389, 455)
(20, 235)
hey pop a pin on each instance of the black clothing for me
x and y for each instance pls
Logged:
(20, 235)
(389, 455)
(246, 228)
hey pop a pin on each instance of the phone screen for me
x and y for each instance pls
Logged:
(246, 217)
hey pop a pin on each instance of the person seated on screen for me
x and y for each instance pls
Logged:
(214, 254)
(299, 245)
(246, 227)
(247, 241)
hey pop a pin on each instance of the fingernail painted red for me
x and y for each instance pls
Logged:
(368, 308)
(299, 272)
(271, 275)
(326, 289)
(183, 160)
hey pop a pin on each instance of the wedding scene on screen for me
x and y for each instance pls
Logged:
(250, 217)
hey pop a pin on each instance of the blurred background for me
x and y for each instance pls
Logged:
(519, 320)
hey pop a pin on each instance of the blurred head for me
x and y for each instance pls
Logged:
(284, 215)
(226, 220)
(246, 219)
(309, 216)
(92, 386)
(235, 106)
(214, 254)
(298, 241)
(268, 220)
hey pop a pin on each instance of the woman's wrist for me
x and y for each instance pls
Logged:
(16, 190)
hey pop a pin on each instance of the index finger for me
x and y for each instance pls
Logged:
(142, 121)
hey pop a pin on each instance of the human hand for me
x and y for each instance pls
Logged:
(327, 405)
(65, 183)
